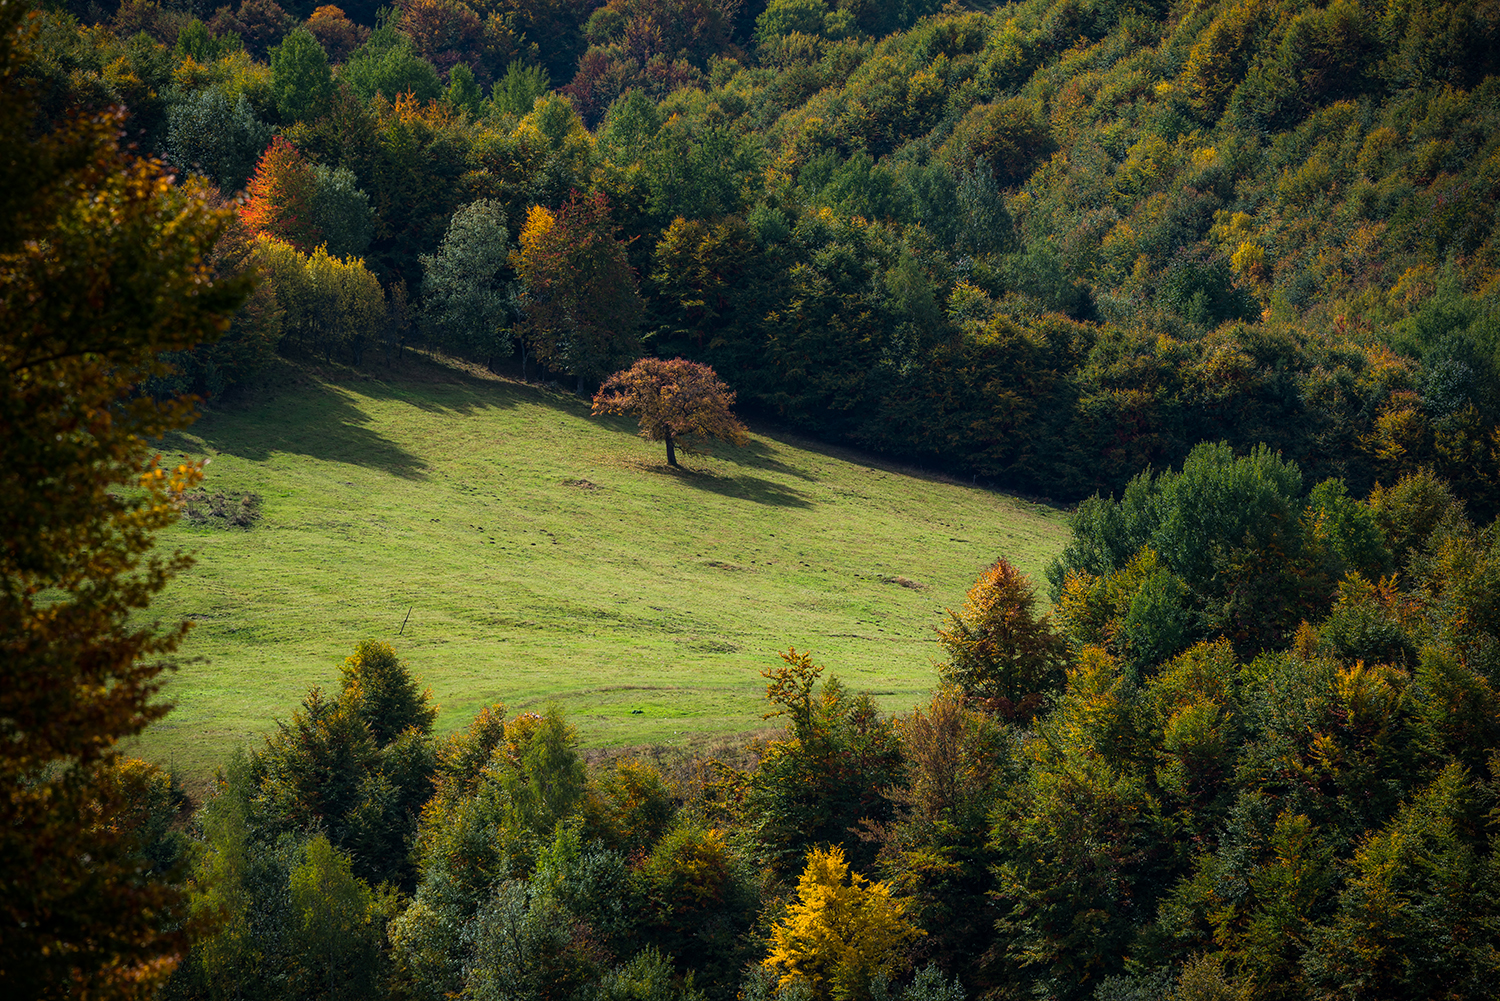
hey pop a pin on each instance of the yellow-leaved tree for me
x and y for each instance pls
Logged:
(842, 932)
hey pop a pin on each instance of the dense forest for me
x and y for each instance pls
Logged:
(1048, 245)
(1222, 272)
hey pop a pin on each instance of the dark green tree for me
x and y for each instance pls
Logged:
(223, 142)
(467, 299)
(378, 689)
(340, 212)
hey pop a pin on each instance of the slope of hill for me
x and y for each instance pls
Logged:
(544, 555)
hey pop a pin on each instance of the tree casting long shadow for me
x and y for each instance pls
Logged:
(750, 488)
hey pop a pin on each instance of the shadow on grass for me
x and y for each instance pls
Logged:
(441, 385)
(755, 455)
(319, 421)
(312, 409)
(750, 488)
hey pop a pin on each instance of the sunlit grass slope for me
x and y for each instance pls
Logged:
(544, 555)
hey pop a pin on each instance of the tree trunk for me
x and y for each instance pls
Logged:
(671, 452)
(523, 361)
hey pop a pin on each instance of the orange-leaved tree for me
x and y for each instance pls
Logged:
(281, 196)
(580, 298)
(104, 268)
(673, 398)
(1002, 655)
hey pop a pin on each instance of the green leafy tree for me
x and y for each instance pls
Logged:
(541, 775)
(300, 77)
(340, 923)
(197, 41)
(648, 976)
(502, 791)
(104, 266)
(823, 780)
(516, 92)
(359, 768)
(463, 93)
(696, 899)
(388, 65)
(628, 806)
(340, 212)
(312, 770)
(1235, 533)
(466, 285)
(1422, 880)
(673, 398)
(222, 142)
(377, 687)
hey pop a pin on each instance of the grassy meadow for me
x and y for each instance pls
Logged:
(516, 549)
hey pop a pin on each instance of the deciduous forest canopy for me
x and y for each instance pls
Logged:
(1222, 272)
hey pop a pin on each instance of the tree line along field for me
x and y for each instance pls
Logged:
(548, 556)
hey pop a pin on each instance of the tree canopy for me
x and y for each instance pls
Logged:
(673, 398)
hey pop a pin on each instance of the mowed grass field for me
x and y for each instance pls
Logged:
(536, 554)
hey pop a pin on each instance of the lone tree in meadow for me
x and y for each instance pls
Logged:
(673, 398)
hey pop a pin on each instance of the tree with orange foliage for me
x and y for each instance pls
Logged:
(281, 197)
(580, 298)
(338, 35)
(1001, 655)
(673, 398)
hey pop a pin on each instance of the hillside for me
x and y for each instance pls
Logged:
(1223, 272)
(1050, 244)
(548, 556)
